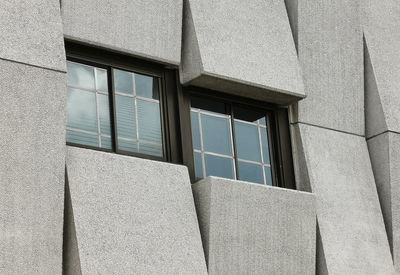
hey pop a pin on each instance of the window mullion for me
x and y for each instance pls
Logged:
(233, 141)
(113, 107)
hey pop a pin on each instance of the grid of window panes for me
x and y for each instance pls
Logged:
(136, 108)
(88, 108)
(138, 113)
(214, 132)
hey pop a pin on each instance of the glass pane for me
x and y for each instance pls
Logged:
(146, 86)
(195, 130)
(80, 75)
(250, 172)
(216, 134)
(198, 165)
(104, 114)
(123, 81)
(82, 138)
(106, 142)
(262, 121)
(150, 149)
(126, 120)
(81, 110)
(268, 175)
(247, 141)
(219, 167)
(265, 149)
(149, 121)
(101, 80)
(127, 145)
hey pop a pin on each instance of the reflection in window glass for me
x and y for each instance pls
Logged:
(88, 109)
(146, 86)
(196, 130)
(198, 165)
(138, 114)
(268, 175)
(247, 141)
(251, 172)
(101, 80)
(212, 133)
(123, 82)
(216, 134)
(80, 75)
(219, 166)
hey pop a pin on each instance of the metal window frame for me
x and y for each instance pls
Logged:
(167, 76)
(175, 111)
(279, 141)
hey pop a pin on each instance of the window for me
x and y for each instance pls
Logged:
(237, 138)
(119, 104)
(130, 106)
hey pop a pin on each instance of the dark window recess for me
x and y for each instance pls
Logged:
(235, 138)
(120, 104)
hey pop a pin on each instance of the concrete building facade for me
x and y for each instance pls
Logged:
(199, 137)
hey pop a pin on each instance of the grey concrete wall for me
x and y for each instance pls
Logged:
(381, 22)
(255, 229)
(352, 232)
(384, 150)
(145, 28)
(330, 52)
(31, 33)
(133, 216)
(32, 137)
(241, 47)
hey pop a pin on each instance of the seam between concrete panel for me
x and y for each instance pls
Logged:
(327, 128)
(384, 132)
(31, 65)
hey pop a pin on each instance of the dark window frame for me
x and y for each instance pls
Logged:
(175, 111)
(279, 132)
(168, 84)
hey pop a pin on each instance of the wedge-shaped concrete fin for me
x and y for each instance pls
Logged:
(241, 47)
(250, 228)
(348, 211)
(381, 24)
(151, 29)
(330, 52)
(132, 216)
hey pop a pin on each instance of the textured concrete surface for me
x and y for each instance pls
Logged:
(255, 229)
(338, 171)
(375, 119)
(31, 32)
(381, 24)
(145, 28)
(71, 260)
(245, 43)
(133, 215)
(330, 52)
(32, 166)
(384, 150)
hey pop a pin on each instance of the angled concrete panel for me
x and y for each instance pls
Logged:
(31, 32)
(352, 231)
(255, 229)
(384, 150)
(330, 52)
(241, 47)
(375, 120)
(32, 166)
(132, 216)
(381, 26)
(146, 28)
